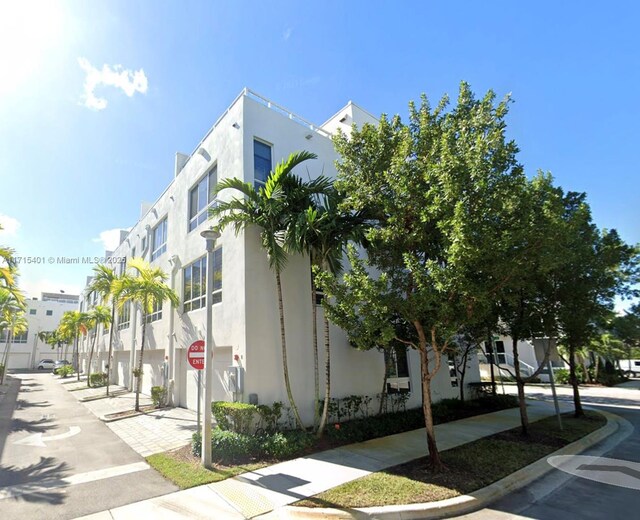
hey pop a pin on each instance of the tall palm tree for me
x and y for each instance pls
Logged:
(72, 324)
(270, 209)
(99, 315)
(103, 284)
(148, 289)
(322, 231)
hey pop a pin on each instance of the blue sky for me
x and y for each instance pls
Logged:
(69, 172)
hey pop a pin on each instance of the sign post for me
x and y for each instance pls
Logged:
(195, 357)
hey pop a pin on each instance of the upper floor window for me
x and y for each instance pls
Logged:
(18, 338)
(32, 311)
(159, 239)
(195, 282)
(49, 313)
(156, 313)
(201, 197)
(261, 163)
(124, 316)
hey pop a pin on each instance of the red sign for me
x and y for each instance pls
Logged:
(195, 354)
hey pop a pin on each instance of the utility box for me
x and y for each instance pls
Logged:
(235, 379)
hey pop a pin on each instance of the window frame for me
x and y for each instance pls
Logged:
(158, 250)
(397, 383)
(201, 215)
(257, 183)
(194, 303)
(121, 324)
(156, 313)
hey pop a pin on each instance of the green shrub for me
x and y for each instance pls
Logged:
(270, 416)
(561, 376)
(611, 378)
(159, 396)
(65, 371)
(234, 417)
(98, 379)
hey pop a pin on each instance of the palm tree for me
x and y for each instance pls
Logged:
(72, 324)
(99, 315)
(14, 323)
(322, 231)
(103, 284)
(148, 289)
(270, 209)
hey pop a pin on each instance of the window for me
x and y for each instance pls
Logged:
(32, 311)
(195, 282)
(156, 313)
(18, 338)
(261, 163)
(159, 239)
(144, 244)
(49, 313)
(453, 371)
(201, 198)
(397, 362)
(124, 316)
(319, 296)
(133, 252)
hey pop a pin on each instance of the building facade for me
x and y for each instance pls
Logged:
(246, 142)
(43, 315)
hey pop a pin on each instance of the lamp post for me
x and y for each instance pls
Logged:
(210, 236)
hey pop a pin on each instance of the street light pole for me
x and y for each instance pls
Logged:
(210, 236)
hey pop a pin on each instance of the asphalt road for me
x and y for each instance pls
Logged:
(563, 496)
(58, 461)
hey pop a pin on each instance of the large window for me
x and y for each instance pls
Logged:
(201, 198)
(159, 239)
(261, 163)
(398, 365)
(124, 316)
(195, 282)
(156, 313)
(18, 338)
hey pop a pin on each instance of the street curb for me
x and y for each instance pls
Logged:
(465, 503)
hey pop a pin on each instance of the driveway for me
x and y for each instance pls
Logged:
(58, 461)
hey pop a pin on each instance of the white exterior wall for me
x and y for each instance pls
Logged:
(246, 325)
(28, 355)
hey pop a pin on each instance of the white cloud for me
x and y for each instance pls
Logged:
(128, 81)
(110, 239)
(9, 225)
(287, 34)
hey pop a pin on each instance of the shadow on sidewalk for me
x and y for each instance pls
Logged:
(30, 483)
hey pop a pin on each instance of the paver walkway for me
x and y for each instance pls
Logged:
(265, 490)
(152, 432)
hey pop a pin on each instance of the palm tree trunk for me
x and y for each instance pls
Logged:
(139, 380)
(5, 360)
(93, 346)
(327, 375)
(596, 368)
(113, 323)
(283, 341)
(77, 354)
(316, 369)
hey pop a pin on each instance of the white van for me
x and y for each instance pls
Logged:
(630, 367)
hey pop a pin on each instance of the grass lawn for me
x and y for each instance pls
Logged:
(469, 467)
(185, 470)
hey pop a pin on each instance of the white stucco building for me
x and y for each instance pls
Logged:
(43, 315)
(246, 142)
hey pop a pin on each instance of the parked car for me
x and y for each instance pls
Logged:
(46, 364)
(59, 364)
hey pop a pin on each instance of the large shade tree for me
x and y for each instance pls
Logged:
(440, 191)
(145, 286)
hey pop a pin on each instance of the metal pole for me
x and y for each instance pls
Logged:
(553, 391)
(210, 236)
(199, 395)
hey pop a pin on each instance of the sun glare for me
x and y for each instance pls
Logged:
(28, 30)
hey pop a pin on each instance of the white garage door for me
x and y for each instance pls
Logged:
(19, 360)
(121, 368)
(152, 369)
(188, 378)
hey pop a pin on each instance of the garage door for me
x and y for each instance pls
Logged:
(152, 369)
(188, 378)
(19, 360)
(121, 368)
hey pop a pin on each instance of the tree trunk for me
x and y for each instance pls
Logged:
(524, 418)
(139, 378)
(578, 412)
(283, 341)
(5, 361)
(434, 455)
(327, 375)
(76, 349)
(113, 323)
(93, 346)
(316, 369)
(596, 368)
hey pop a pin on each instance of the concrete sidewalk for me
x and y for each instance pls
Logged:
(152, 432)
(266, 490)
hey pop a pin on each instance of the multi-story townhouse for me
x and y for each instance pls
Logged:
(246, 142)
(43, 315)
